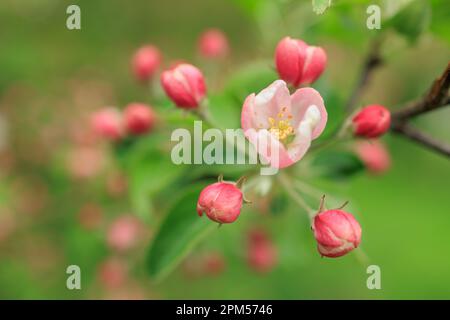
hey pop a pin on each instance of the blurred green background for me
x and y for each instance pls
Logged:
(52, 77)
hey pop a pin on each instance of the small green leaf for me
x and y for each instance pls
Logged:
(178, 234)
(279, 203)
(337, 165)
(250, 79)
(319, 6)
(412, 19)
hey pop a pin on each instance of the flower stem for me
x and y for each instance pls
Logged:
(287, 184)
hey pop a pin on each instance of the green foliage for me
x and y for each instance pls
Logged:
(319, 6)
(149, 169)
(251, 78)
(337, 165)
(180, 231)
(411, 20)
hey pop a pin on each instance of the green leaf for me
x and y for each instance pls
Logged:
(252, 8)
(412, 19)
(250, 79)
(319, 6)
(279, 203)
(337, 165)
(178, 234)
(149, 169)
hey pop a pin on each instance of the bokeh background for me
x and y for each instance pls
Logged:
(60, 192)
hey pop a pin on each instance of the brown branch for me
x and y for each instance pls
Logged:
(372, 61)
(425, 140)
(437, 97)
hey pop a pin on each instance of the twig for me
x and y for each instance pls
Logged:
(424, 139)
(372, 61)
(285, 182)
(437, 97)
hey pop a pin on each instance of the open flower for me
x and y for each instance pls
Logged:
(281, 126)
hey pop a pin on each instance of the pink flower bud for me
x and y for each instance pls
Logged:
(221, 201)
(337, 233)
(214, 263)
(185, 85)
(112, 273)
(297, 63)
(262, 254)
(213, 43)
(124, 232)
(145, 62)
(139, 118)
(374, 155)
(90, 216)
(107, 123)
(372, 121)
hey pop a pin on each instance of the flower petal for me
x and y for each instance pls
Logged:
(271, 100)
(301, 100)
(270, 149)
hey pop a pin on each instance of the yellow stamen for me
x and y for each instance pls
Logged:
(281, 128)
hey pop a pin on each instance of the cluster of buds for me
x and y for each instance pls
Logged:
(136, 119)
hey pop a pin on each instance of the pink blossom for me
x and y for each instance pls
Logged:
(281, 126)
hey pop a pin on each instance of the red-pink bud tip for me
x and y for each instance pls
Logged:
(139, 118)
(185, 85)
(107, 123)
(374, 155)
(145, 62)
(213, 43)
(372, 121)
(298, 63)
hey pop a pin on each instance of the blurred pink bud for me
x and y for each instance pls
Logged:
(374, 155)
(185, 85)
(337, 233)
(146, 62)
(107, 123)
(213, 43)
(297, 63)
(112, 273)
(124, 233)
(90, 216)
(261, 252)
(214, 263)
(85, 162)
(221, 201)
(139, 118)
(116, 184)
(372, 121)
